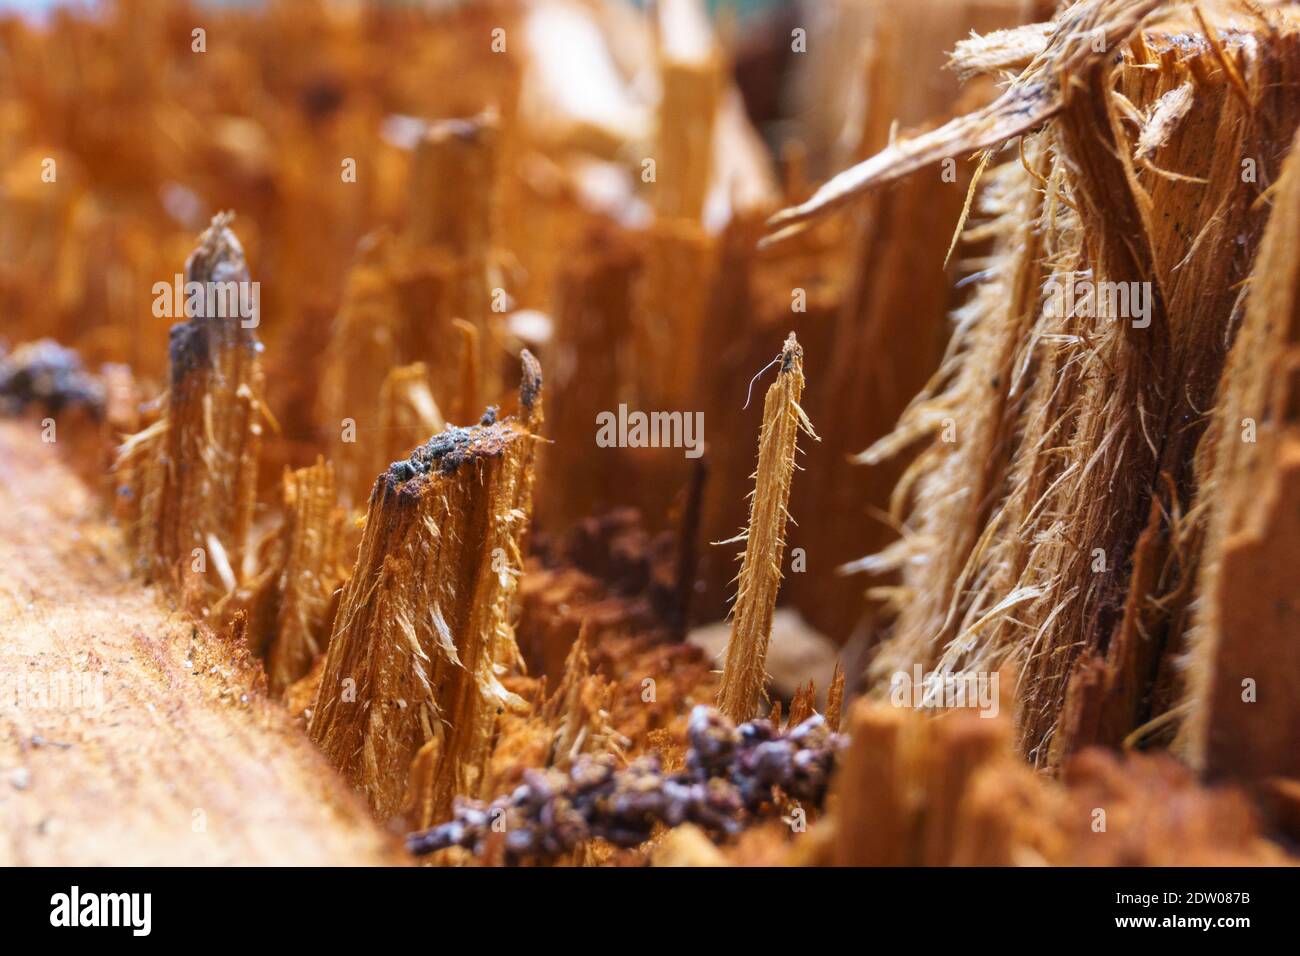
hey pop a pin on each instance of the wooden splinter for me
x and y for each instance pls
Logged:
(744, 673)
(422, 631)
(193, 473)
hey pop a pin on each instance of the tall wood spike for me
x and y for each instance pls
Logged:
(745, 672)
(423, 624)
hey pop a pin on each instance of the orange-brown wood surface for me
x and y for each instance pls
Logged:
(164, 749)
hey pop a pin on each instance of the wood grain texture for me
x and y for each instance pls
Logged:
(172, 753)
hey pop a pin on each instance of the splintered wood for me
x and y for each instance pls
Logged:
(1058, 521)
(193, 473)
(691, 73)
(949, 792)
(423, 627)
(744, 674)
(415, 314)
(1044, 277)
(311, 547)
(1244, 658)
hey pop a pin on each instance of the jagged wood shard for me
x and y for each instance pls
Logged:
(423, 631)
(193, 473)
(915, 791)
(691, 76)
(744, 673)
(414, 333)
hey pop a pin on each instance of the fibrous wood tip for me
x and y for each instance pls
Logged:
(219, 255)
